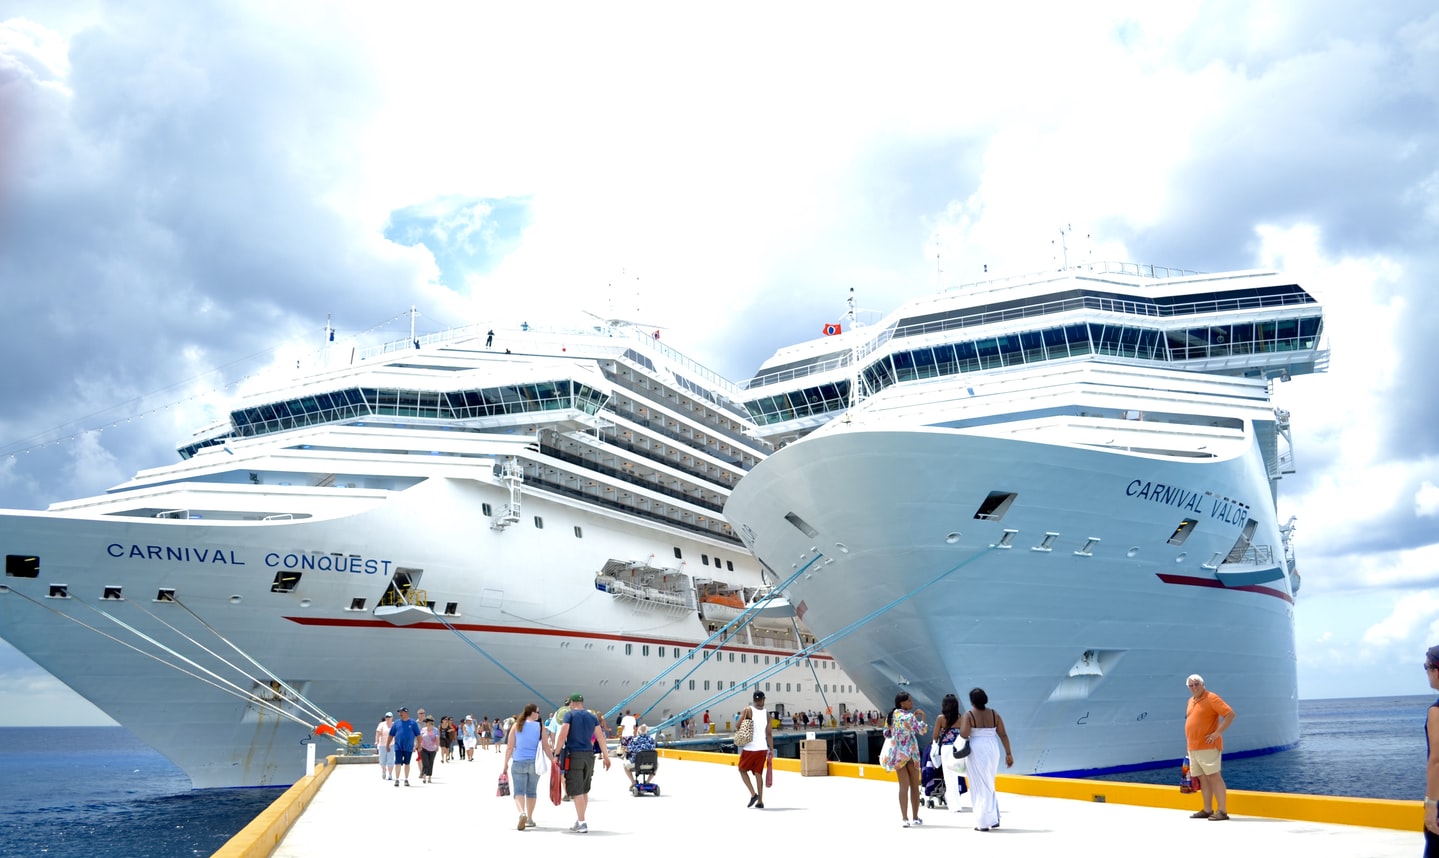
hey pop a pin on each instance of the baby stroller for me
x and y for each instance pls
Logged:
(643, 766)
(931, 778)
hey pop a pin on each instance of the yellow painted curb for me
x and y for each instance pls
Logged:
(264, 833)
(1337, 810)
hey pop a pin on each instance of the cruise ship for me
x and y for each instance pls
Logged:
(451, 522)
(1060, 488)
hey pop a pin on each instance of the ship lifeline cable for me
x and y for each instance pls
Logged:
(222, 684)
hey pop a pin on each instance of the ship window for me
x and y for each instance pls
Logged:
(486, 510)
(731, 658)
(729, 564)
(452, 608)
(357, 603)
(678, 554)
(692, 685)
(660, 651)
(645, 650)
(705, 559)
(995, 506)
(707, 685)
(22, 566)
(165, 595)
(1182, 532)
(629, 649)
(579, 532)
(741, 658)
(112, 594)
(59, 591)
(539, 523)
(285, 581)
(801, 524)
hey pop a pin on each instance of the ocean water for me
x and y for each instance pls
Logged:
(98, 792)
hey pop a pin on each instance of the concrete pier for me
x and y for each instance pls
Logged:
(346, 808)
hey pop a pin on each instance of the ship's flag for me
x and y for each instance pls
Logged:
(833, 328)
(800, 609)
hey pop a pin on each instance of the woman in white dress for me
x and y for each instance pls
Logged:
(984, 729)
(946, 739)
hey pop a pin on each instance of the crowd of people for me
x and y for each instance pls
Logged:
(965, 749)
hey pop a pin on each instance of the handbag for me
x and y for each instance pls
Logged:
(961, 751)
(542, 764)
(504, 788)
(744, 733)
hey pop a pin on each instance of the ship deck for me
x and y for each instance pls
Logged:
(347, 808)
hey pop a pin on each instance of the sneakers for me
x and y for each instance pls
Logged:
(530, 823)
(1219, 816)
(1200, 814)
(759, 805)
(397, 781)
(918, 821)
(580, 828)
(752, 800)
(906, 823)
(523, 820)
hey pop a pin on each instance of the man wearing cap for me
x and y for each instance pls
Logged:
(1205, 721)
(382, 745)
(754, 755)
(403, 734)
(579, 733)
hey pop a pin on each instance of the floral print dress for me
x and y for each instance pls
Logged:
(903, 738)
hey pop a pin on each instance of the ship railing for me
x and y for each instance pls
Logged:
(1254, 555)
(403, 598)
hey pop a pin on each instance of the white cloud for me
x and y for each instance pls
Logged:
(1426, 500)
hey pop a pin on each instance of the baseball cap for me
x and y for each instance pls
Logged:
(389, 714)
(759, 695)
(577, 698)
(403, 709)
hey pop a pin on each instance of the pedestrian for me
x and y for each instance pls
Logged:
(468, 736)
(578, 735)
(707, 727)
(526, 740)
(403, 734)
(984, 729)
(490, 338)
(627, 730)
(903, 730)
(1431, 768)
(946, 739)
(429, 744)
(1206, 718)
(485, 734)
(382, 746)
(755, 753)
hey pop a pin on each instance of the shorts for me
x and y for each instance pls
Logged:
(753, 761)
(1204, 761)
(469, 741)
(402, 754)
(580, 772)
(523, 780)
(387, 756)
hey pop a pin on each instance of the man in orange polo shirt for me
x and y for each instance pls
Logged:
(1205, 721)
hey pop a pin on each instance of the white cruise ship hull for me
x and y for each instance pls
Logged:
(525, 596)
(1072, 611)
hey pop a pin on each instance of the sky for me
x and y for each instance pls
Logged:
(191, 191)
